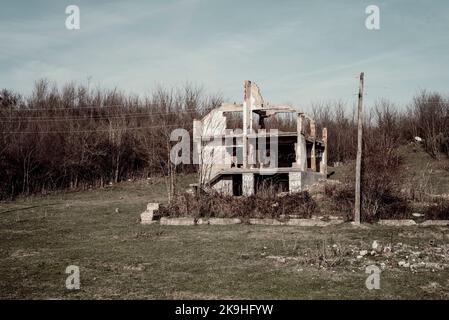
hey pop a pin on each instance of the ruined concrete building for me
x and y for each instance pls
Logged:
(242, 148)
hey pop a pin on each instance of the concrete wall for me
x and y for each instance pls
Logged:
(299, 181)
(247, 184)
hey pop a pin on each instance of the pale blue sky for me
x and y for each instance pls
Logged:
(297, 51)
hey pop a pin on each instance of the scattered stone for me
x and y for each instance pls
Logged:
(363, 252)
(139, 267)
(336, 248)
(377, 246)
(282, 259)
(434, 266)
(418, 265)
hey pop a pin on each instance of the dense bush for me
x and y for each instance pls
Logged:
(79, 138)
(376, 204)
(438, 211)
(255, 206)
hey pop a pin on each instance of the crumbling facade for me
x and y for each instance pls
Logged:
(240, 153)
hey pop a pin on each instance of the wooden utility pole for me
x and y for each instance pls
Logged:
(358, 167)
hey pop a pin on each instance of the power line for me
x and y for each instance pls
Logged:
(135, 106)
(89, 131)
(62, 108)
(87, 117)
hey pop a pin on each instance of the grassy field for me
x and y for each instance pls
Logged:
(99, 231)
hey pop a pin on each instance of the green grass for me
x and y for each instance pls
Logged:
(119, 258)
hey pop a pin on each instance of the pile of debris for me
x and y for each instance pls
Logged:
(430, 257)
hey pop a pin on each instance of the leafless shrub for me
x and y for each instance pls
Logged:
(254, 206)
(380, 194)
(76, 137)
(438, 211)
(342, 199)
(341, 127)
(428, 118)
(380, 164)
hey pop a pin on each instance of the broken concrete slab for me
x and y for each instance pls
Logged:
(270, 222)
(177, 221)
(435, 223)
(314, 222)
(220, 221)
(152, 206)
(147, 217)
(295, 222)
(397, 223)
(307, 223)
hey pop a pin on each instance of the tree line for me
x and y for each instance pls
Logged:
(77, 137)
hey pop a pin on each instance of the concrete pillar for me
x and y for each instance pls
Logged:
(294, 181)
(313, 151)
(301, 149)
(252, 157)
(197, 133)
(247, 184)
(323, 163)
(247, 120)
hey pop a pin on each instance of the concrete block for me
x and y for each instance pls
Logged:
(397, 223)
(307, 223)
(202, 221)
(177, 221)
(435, 223)
(153, 206)
(270, 222)
(224, 221)
(147, 216)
